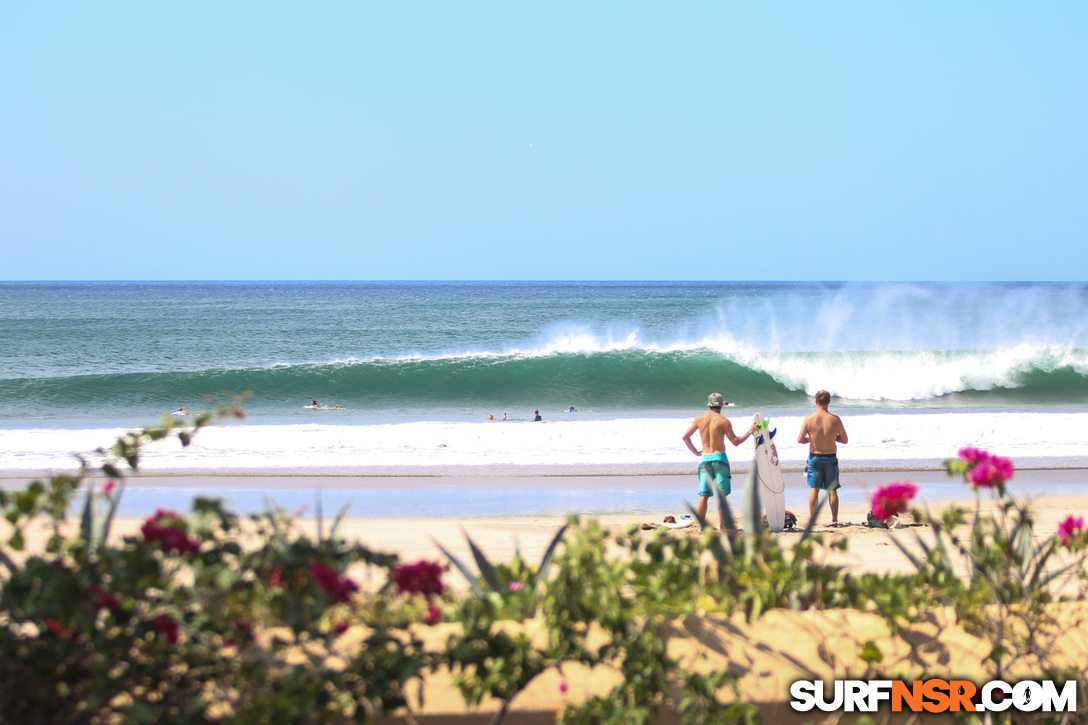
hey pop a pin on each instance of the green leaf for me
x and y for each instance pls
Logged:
(107, 523)
(870, 653)
(727, 512)
(476, 588)
(752, 504)
(546, 560)
(907, 552)
(812, 520)
(86, 525)
(487, 570)
(334, 531)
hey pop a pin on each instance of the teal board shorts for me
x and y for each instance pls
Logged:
(714, 467)
(822, 471)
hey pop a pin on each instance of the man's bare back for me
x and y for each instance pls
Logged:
(712, 427)
(823, 431)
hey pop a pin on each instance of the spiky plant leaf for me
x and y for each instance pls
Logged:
(752, 504)
(472, 581)
(487, 570)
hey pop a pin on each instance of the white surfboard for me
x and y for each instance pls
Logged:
(769, 473)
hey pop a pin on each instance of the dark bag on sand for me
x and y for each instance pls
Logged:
(789, 523)
(874, 521)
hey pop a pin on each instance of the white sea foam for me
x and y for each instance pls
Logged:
(441, 448)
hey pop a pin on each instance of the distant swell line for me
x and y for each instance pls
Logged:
(624, 379)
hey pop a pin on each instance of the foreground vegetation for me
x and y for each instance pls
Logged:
(209, 616)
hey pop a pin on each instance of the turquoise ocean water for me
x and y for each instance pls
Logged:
(916, 370)
(102, 354)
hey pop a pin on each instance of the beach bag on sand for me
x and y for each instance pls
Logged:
(874, 522)
(789, 523)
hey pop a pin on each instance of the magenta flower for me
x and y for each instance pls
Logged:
(563, 687)
(168, 627)
(103, 599)
(972, 455)
(515, 586)
(423, 577)
(1071, 529)
(991, 471)
(109, 486)
(169, 529)
(330, 580)
(891, 499)
(985, 470)
(433, 614)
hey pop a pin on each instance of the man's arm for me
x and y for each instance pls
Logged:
(732, 438)
(841, 435)
(687, 439)
(803, 436)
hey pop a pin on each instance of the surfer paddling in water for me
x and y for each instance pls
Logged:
(823, 431)
(713, 429)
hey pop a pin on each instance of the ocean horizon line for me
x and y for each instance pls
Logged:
(617, 281)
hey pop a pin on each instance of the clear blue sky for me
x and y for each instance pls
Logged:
(602, 140)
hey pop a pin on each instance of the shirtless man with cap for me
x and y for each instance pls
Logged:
(713, 429)
(823, 431)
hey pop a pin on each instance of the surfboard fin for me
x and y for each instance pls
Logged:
(773, 432)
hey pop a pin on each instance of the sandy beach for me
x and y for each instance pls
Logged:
(767, 654)
(498, 513)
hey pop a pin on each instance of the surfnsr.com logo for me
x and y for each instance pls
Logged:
(933, 696)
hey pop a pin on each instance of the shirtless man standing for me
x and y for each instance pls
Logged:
(823, 431)
(713, 428)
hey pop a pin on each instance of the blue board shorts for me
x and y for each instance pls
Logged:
(822, 471)
(714, 467)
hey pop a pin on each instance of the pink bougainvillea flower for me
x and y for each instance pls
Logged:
(168, 627)
(972, 455)
(168, 528)
(985, 470)
(991, 471)
(108, 487)
(103, 599)
(515, 586)
(274, 576)
(891, 499)
(1071, 529)
(563, 686)
(328, 579)
(423, 577)
(433, 614)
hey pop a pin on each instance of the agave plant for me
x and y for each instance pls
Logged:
(516, 585)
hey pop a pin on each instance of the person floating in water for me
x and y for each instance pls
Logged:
(313, 404)
(572, 409)
(181, 411)
(536, 415)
